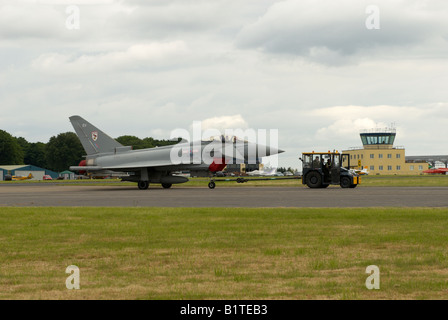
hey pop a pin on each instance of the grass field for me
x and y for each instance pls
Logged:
(209, 253)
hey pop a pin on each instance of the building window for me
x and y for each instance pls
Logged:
(420, 167)
(398, 155)
(372, 156)
(380, 168)
(398, 167)
(372, 168)
(380, 156)
(411, 167)
(362, 156)
(389, 168)
(351, 157)
(389, 155)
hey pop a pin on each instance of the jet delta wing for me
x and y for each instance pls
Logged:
(158, 165)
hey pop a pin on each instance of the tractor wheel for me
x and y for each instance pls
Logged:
(324, 185)
(314, 179)
(345, 182)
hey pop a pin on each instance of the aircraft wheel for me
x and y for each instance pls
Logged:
(345, 182)
(314, 179)
(143, 185)
(166, 185)
(212, 185)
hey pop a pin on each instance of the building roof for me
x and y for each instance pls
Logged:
(66, 172)
(441, 158)
(12, 167)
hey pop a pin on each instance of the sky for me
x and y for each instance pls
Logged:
(318, 71)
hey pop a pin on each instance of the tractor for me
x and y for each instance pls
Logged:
(320, 169)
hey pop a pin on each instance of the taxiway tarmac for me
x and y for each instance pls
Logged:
(19, 195)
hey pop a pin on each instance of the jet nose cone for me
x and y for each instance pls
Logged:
(272, 150)
(255, 151)
(266, 151)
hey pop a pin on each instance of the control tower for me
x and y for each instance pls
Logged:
(379, 156)
(378, 138)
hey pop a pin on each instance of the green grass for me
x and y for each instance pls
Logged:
(405, 181)
(216, 253)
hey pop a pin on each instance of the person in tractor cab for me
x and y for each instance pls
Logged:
(326, 169)
(316, 162)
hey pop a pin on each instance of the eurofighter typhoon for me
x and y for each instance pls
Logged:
(159, 164)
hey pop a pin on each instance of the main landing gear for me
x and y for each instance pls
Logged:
(143, 185)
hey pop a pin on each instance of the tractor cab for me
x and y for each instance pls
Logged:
(320, 169)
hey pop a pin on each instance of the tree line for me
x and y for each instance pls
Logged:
(283, 169)
(60, 152)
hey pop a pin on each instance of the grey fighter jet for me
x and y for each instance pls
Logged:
(159, 164)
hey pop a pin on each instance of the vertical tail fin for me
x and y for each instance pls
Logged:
(93, 139)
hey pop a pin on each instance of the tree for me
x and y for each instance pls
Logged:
(281, 169)
(161, 143)
(138, 143)
(35, 155)
(10, 150)
(63, 151)
(133, 141)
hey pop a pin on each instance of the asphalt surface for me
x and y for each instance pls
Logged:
(18, 195)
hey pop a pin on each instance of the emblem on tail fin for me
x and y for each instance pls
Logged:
(93, 139)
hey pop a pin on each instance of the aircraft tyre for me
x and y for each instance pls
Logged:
(314, 179)
(212, 185)
(345, 182)
(166, 185)
(143, 185)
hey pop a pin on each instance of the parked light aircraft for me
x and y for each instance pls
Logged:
(361, 171)
(156, 165)
(19, 178)
(437, 170)
(264, 172)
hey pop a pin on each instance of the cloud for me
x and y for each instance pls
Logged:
(136, 56)
(17, 22)
(222, 123)
(146, 67)
(334, 32)
(414, 124)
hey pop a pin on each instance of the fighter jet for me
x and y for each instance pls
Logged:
(157, 165)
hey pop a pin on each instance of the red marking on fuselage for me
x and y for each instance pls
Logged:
(82, 164)
(217, 164)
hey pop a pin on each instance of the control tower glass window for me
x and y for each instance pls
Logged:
(377, 138)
